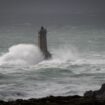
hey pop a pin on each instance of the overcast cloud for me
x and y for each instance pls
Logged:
(20, 9)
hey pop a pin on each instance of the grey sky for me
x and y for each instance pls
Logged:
(11, 10)
(51, 6)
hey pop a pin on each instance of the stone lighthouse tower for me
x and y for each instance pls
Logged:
(42, 41)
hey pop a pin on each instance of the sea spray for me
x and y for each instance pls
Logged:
(64, 74)
(29, 54)
(62, 57)
(65, 53)
(22, 54)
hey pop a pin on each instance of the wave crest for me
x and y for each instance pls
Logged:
(22, 54)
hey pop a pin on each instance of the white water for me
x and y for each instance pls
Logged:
(22, 54)
(25, 74)
(29, 55)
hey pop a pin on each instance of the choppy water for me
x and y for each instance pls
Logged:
(78, 62)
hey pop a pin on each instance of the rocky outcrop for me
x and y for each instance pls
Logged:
(60, 100)
(98, 94)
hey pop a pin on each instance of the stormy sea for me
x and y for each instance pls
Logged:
(76, 40)
(77, 64)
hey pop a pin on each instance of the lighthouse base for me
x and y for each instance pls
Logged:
(47, 55)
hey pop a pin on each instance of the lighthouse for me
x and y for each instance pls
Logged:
(42, 41)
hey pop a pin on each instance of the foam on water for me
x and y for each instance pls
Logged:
(22, 54)
(62, 57)
(28, 54)
(67, 73)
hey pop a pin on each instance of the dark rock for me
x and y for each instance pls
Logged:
(89, 93)
(99, 94)
(101, 90)
(60, 100)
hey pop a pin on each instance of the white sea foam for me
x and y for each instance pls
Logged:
(22, 54)
(29, 54)
(67, 73)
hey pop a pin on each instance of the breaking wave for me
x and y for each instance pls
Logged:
(22, 54)
(61, 75)
(29, 54)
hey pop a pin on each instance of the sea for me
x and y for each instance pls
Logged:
(77, 65)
